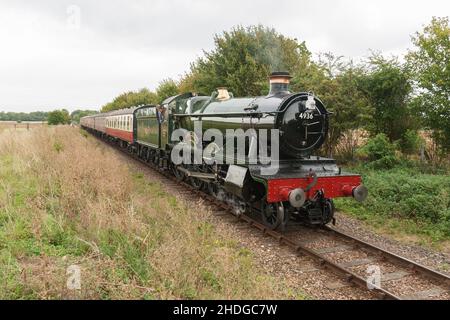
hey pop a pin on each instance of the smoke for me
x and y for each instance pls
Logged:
(270, 49)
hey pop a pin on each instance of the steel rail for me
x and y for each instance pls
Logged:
(393, 258)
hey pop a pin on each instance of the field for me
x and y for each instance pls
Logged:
(13, 125)
(69, 206)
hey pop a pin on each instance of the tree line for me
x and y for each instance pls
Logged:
(22, 116)
(55, 117)
(388, 95)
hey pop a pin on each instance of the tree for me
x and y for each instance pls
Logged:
(131, 99)
(78, 114)
(430, 64)
(386, 85)
(166, 89)
(58, 117)
(21, 116)
(243, 59)
(187, 83)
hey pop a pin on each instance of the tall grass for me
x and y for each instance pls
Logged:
(65, 199)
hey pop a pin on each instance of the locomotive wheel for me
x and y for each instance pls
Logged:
(213, 189)
(149, 157)
(328, 211)
(143, 154)
(156, 160)
(196, 183)
(178, 174)
(273, 215)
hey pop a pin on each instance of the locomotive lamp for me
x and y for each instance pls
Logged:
(223, 94)
(311, 103)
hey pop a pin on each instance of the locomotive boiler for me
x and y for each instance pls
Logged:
(301, 118)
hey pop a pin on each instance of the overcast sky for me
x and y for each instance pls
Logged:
(81, 54)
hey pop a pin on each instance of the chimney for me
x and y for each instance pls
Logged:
(279, 82)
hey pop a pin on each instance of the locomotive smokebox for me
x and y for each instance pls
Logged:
(279, 82)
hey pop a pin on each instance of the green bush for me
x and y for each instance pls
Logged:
(410, 142)
(58, 117)
(386, 162)
(405, 196)
(377, 148)
(379, 152)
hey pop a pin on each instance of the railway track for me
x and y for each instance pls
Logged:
(392, 277)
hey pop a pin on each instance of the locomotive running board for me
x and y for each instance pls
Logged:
(199, 175)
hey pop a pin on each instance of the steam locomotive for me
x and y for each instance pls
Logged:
(280, 180)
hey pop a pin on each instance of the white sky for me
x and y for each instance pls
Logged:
(81, 53)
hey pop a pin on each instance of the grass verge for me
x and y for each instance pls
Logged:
(66, 200)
